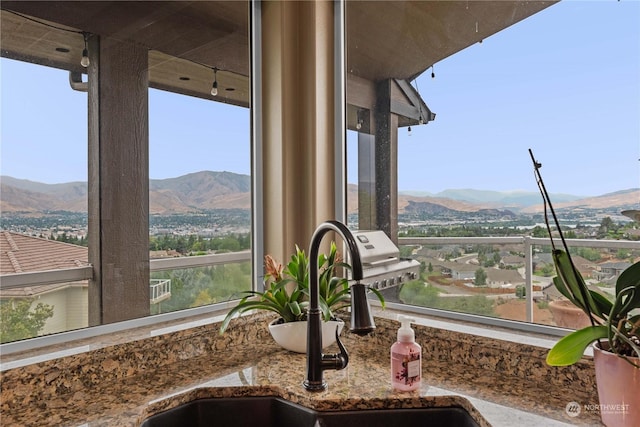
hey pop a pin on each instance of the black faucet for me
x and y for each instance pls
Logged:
(361, 319)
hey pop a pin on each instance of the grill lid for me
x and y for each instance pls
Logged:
(381, 262)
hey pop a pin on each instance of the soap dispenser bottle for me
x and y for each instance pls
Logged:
(406, 358)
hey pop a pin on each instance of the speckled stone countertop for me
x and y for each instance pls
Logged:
(130, 376)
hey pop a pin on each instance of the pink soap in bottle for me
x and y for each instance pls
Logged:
(406, 358)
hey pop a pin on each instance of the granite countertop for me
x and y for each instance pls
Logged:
(499, 383)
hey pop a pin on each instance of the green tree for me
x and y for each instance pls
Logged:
(539, 231)
(591, 254)
(606, 226)
(481, 277)
(415, 293)
(496, 257)
(623, 254)
(547, 270)
(477, 304)
(229, 244)
(406, 251)
(20, 322)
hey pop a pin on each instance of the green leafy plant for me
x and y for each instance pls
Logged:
(286, 289)
(616, 322)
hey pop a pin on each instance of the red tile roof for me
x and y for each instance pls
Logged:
(20, 253)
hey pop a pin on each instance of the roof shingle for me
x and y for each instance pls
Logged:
(20, 253)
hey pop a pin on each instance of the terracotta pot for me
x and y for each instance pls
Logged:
(293, 335)
(618, 388)
(567, 315)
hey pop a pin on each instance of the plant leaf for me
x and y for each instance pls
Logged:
(603, 304)
(570, 348)
(245, 305)
(379, 295)
(295, 308)
(573, 282)
(630, 277)
(559, 284)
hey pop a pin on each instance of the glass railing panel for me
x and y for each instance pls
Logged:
(60, 303)
(195, 287)
(510, 279)
(469, 277)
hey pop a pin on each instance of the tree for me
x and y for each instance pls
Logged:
(606, 226)
(415, 293)
(539, 232)
(547, 270)
(591, 254)
(20, 322)
(623, 254)
(496, 257)
(406, 251)
(481, 277)
(570, 234)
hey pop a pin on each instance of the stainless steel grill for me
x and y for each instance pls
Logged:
(381, 262)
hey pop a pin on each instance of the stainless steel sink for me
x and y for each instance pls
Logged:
(277, 412)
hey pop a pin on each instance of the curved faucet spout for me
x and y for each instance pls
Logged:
(362, 322)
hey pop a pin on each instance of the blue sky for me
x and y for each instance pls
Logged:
(564, 82)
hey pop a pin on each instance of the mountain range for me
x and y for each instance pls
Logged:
(227, 190)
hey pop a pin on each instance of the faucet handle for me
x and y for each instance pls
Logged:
(336, 361)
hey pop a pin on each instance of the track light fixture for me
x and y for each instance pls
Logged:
(85, 52)
(214, 87)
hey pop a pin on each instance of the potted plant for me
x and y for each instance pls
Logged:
(286, 293)
(614, 329)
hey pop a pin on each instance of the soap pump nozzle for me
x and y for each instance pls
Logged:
(405, 333)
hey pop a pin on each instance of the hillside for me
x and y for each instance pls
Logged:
(189, 193)
(226, 190)
(619, 200)
(503, 199)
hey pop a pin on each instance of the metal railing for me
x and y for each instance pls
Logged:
(36, 278)
(159, 290)
(20, 280)
(528, 243)
(84, 273)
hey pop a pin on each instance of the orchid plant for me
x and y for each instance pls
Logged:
(617, 322)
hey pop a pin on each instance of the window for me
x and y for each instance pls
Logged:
(443, 131)
(200, 197)
(168, 124)
(44, 198)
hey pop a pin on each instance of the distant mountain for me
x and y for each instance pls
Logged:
(511, 199)
(619, 200)
(227, 190)
(200, 190)
(189, 193)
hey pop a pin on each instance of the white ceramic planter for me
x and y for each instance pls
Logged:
(293, 335)
(618, 389)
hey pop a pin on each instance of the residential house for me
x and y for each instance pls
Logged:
(21, 254)
(501, 278)
(609, 271)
